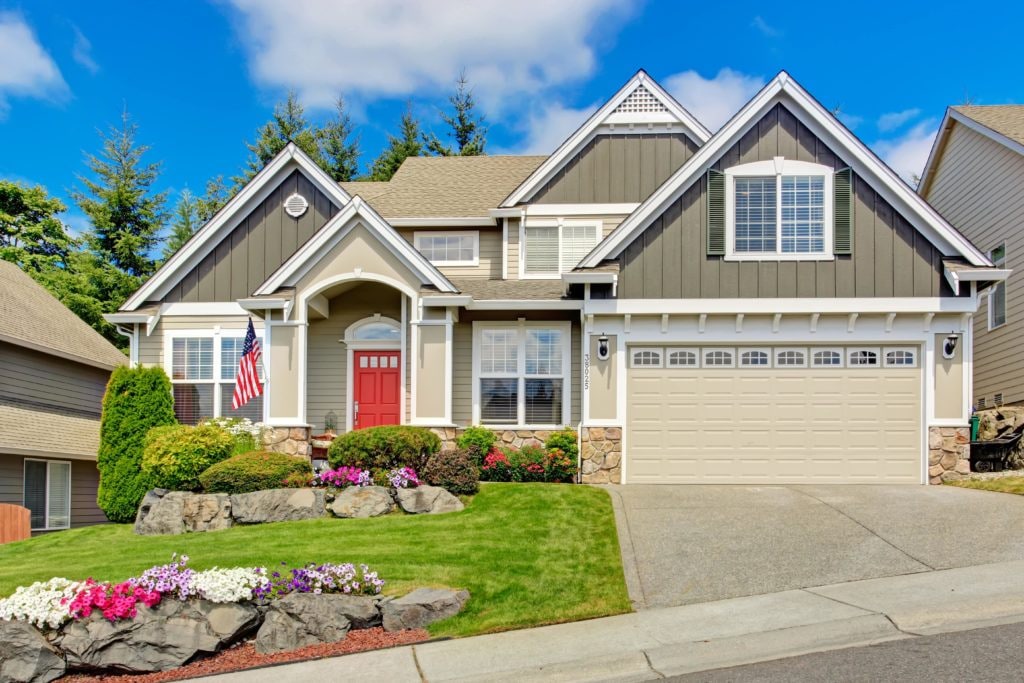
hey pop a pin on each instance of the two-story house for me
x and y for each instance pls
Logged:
(766, 304)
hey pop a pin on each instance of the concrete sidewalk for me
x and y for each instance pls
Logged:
(656, 643)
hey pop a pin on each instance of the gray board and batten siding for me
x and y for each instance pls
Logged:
(890, 258)
(256, 247)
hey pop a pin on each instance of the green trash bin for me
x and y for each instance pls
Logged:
(975, 422)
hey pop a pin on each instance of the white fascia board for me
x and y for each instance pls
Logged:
(583, 278)
(122, 318)
(622, 209)
(444, 301)
(459, 222)
(218, 308)
(335, 229)
(955, 276)
(803, 306)
(525, 305)
(933, 154)
(261, 304)
(582, 135)
(809, 112)
(198, 245)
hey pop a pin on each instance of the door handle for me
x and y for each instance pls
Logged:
(355, 412)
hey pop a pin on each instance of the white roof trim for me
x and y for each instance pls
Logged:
(598, 277)
(582, 135)
(198, 246)
(823, 124)
(339, 226)
(456, 222)
(957, 275)
(944, 130)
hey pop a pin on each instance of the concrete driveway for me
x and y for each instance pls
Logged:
(690, 544)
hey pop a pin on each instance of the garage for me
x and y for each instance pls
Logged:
(774, 415)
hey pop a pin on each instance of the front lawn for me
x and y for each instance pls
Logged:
(1001, 485)
(529, 554)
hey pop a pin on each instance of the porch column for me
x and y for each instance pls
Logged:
(284, 393)
(432, 369)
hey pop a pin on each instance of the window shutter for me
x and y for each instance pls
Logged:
(716, 213)
(842, 225)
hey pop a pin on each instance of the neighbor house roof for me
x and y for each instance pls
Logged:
(446, 187)
(32, 429)
(32, 317)
(1005, 119)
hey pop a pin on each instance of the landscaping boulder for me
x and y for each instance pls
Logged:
(301, 619)
(206, 511)
(427, 500)
(363, 501)
(421, 607)
(158, 638)
(165, 512)
(25, 655)
(277, 505)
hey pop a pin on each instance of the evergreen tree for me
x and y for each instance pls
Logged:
(467, 128)
(184, 223)
(31, 234)
(406, 145)
(288, 124)
(339, 154)
(126, 215)
(217, 195)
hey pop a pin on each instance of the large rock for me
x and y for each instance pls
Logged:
(427, 500)
(25, 655)
(157, 639)
(363, 501)
(421, 607)
(301, 619)
(176, 512)
(277, 505)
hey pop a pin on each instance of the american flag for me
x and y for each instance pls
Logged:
(247, 381)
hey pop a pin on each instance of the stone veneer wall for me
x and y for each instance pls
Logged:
(516, 438)
(949, 453)
(290, 440)
(601, 455)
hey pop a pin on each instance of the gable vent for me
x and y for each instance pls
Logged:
(295, 205)
(640, 101)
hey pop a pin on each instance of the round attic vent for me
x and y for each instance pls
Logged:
(296, 205)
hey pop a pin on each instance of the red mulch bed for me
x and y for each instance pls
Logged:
(244, 656)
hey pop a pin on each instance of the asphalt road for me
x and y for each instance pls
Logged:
(988, 654)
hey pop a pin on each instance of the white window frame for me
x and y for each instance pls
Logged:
(754, 349)
(905, 349)
(217, 335)
(999, 287)
(647, 349)
(830, 349)
(711, 349)
(560, 224)
(850, 350)
(46, 504)
(791, 349)
(777, 167)
(693, 350)
(473, 234)
(566, 376)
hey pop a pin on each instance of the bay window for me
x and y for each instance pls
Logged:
(202, 368)
(552, 248)
(521, 374)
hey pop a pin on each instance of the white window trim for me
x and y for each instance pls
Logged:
(46, 504)
(714, 366)
(641, 349)
(798, 349)
(850, 350)
(740, 352)
(217, 334)
(908, 349)
(566, 376)
(474, 234)
(372, 344)
(558, 223)
(777, 167)
(832, 349)
(991, 309)
(692, 349)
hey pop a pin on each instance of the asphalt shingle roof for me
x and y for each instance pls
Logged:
(38, 429)
(1005, 119)
(514, 290)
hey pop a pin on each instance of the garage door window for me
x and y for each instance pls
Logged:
(900, 358)
(718, 358)
(681, 358)
(790, 358)
(828, 358)
(647, 358)
(861, 358)
(755, 358)
(522, 375)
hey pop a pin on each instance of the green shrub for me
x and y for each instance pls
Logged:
(455, 470)
(528, 461)
(384, 448)
(529, 464)
(248, 435)
(175, 455)
(136, 400)
(255, 471)
(480, 437)
(564, 440)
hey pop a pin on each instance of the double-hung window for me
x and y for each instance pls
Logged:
(550, 249)
(47, 494)
(449, 248)
(997, 295)
(202, 367)
(779, 209)
(521, 374)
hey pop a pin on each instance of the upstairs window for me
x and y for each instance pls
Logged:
(450, 248)
(997, 295)
(552, 249)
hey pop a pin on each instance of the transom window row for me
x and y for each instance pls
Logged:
(768, 357)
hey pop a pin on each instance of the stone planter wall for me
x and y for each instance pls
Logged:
(949, 453)
(601, 455)
(515, 438)
(289, 440)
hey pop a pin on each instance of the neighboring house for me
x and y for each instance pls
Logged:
(53, 372)
(975, 178)
(767, 304)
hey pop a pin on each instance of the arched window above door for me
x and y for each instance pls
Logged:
(374, 331)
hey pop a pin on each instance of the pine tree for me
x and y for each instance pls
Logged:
(288, 124)
(217, 195)
(339, 155)
(126, 215)
(467, 128)
(31, 234)
(184, 223)
(399, 148)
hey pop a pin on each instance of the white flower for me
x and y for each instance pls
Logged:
(229, 585)
(41, 603)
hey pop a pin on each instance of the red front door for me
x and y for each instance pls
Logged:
(377, 379)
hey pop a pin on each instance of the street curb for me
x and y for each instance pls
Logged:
(626, 550)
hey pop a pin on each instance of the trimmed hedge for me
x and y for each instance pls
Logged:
(174, 456)
(384, 448)
(136, 400)
(255, 471)
(455, 470)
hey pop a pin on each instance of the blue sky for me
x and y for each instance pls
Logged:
(200, 77)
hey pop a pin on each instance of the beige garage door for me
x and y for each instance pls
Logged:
(714, 418)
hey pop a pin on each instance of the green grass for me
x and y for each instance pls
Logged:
(1001, 485)
(529, 554)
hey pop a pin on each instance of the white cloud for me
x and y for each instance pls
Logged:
(713, 100)
(26, 69)
(765, 28)
(81, 52)
(396, 48)
(908, 153)
(851, 121)
(895, 119)
(548, 126)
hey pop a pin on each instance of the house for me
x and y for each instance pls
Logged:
(768, 304)
(53, 372)
(975, 178)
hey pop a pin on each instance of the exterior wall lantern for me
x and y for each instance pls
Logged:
(949, 346)
(603, 350)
